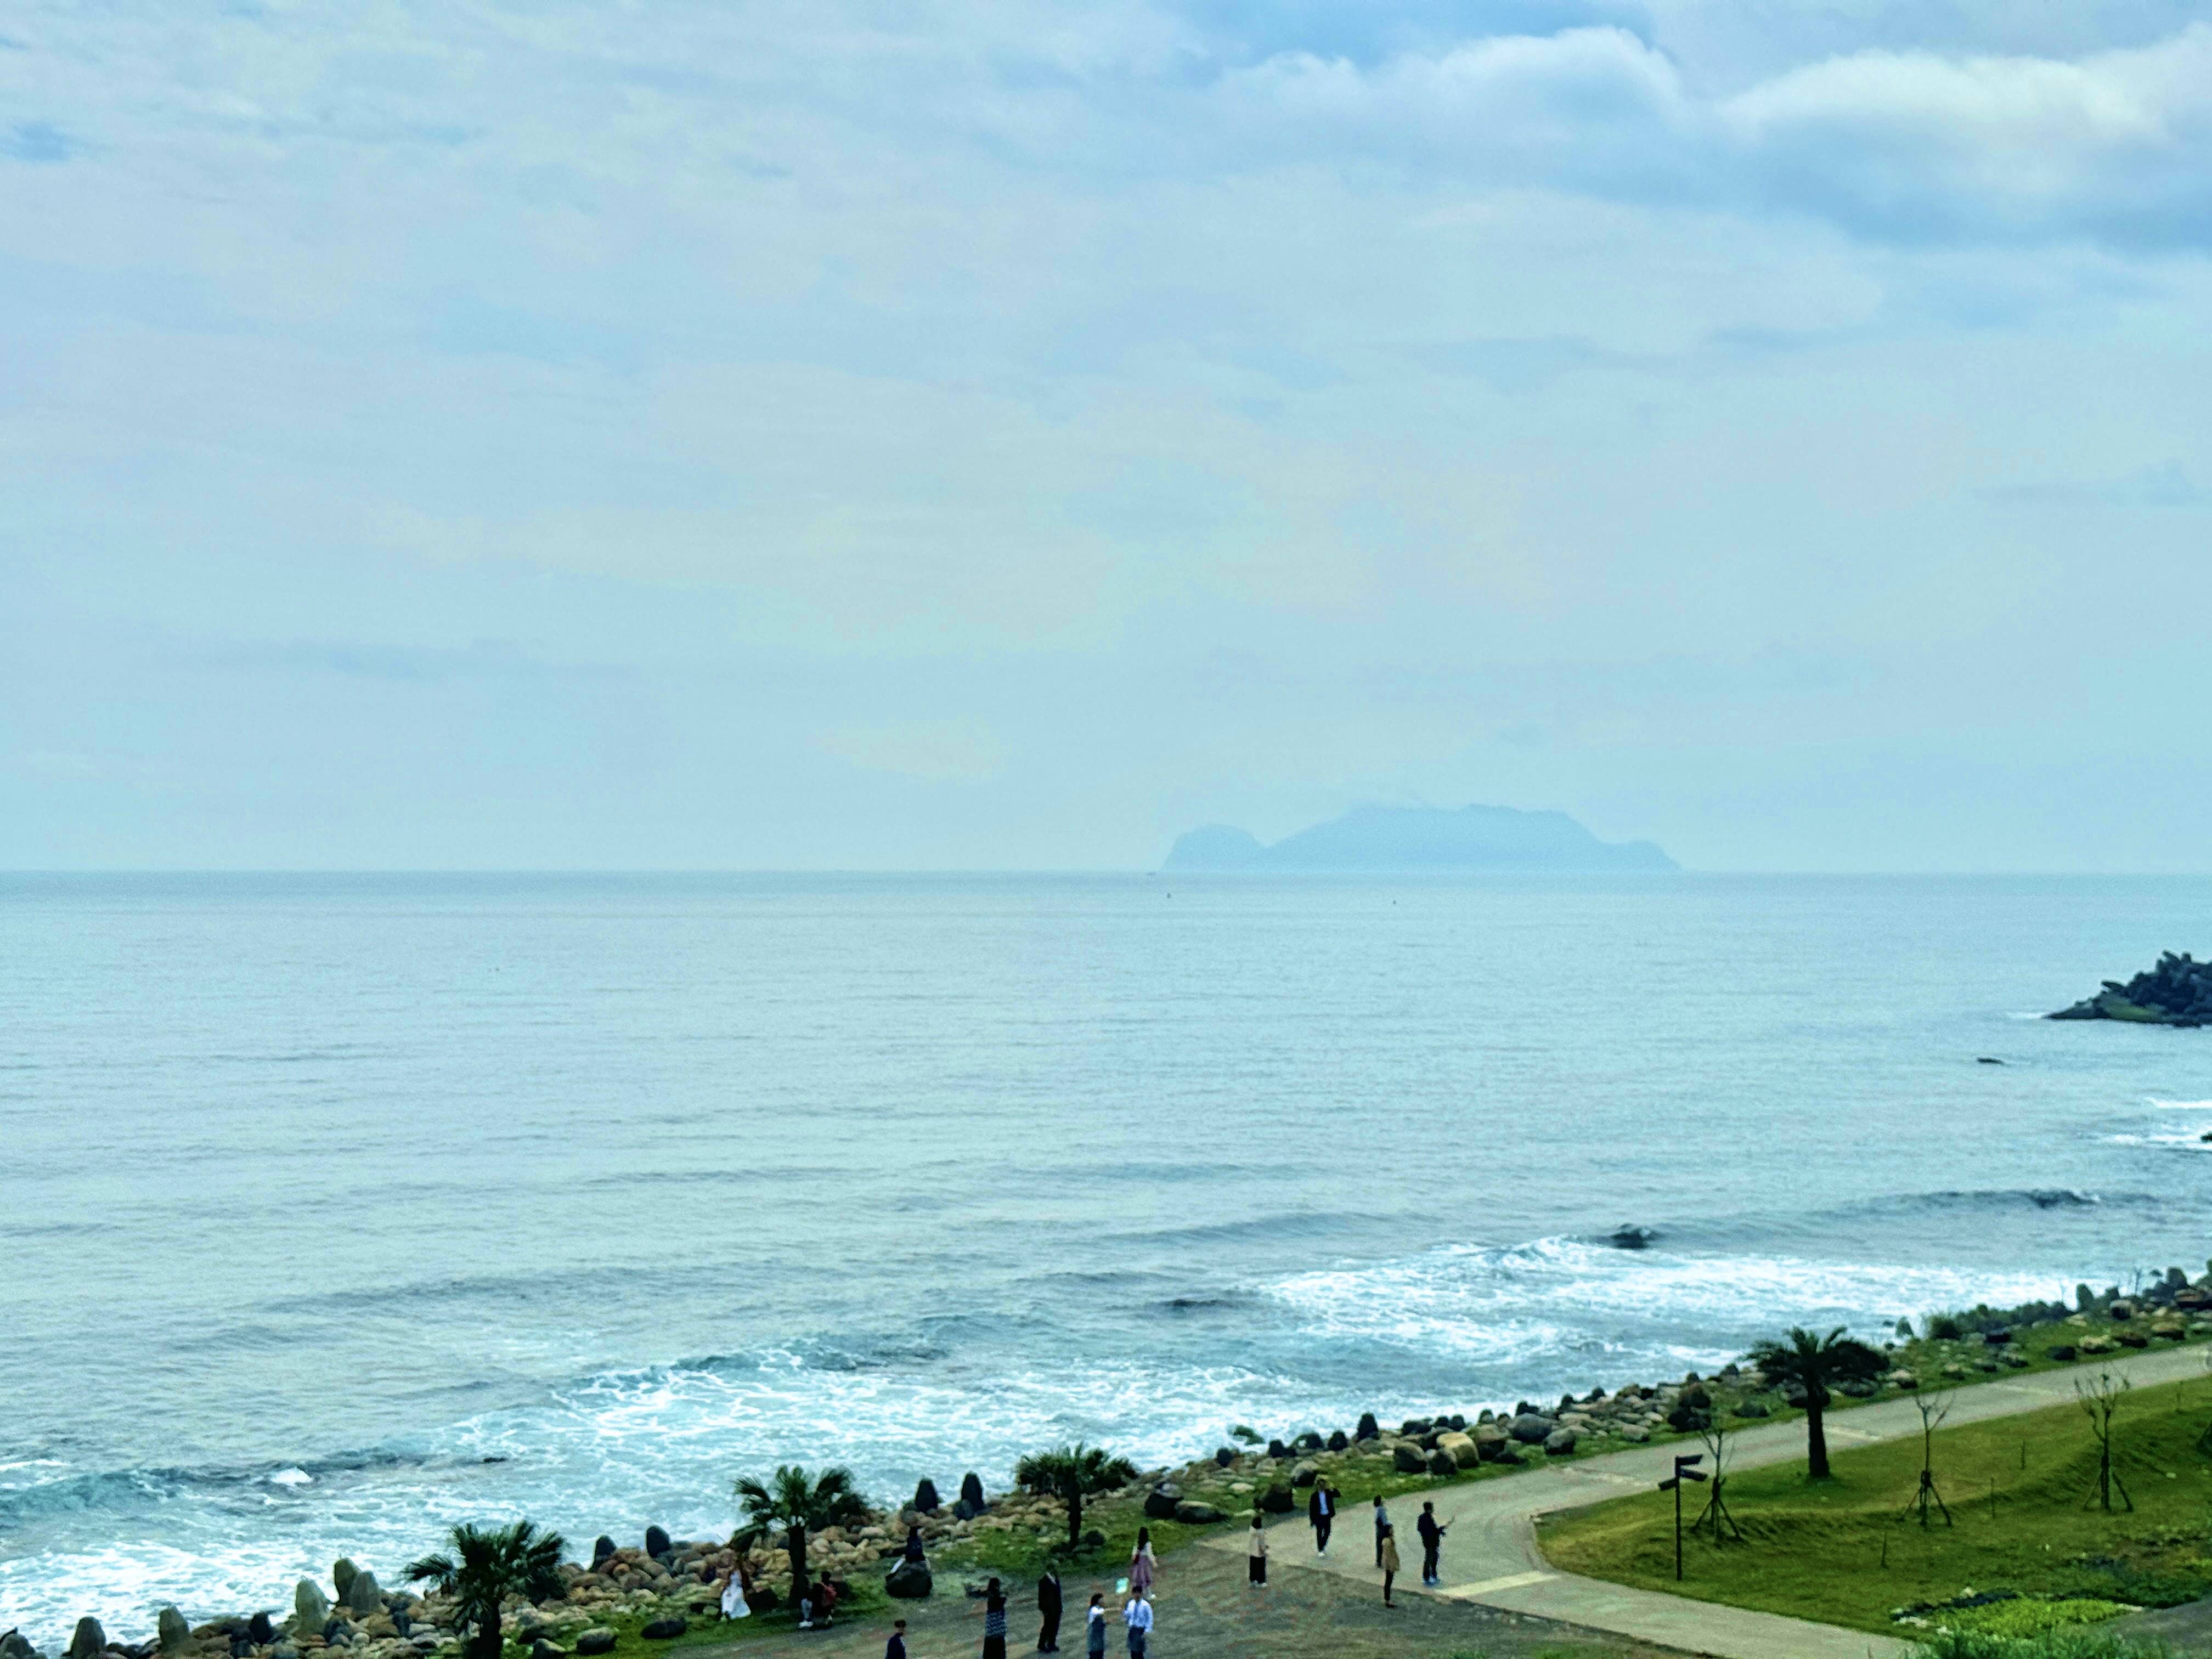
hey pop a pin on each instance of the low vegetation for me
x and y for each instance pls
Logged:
(2027, 1552)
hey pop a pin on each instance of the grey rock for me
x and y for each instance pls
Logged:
(909, 1581)
(602, 1548)
(1160, 1502)
(261, 1631)
(1559, 1443)
(1531, 1429)
(926, 1500)
(364, 1595)
(172, 1631)
(89, 1641)
(1442, 1463)
(1409, 1459)
(15, 1645)
(971, 1489)
(1305, 1472)
(665, 1630)
(1192, 1513)
(343, 1572)
(311, 1608)
(596, 1640)
(542, 1649)
(656, 1542)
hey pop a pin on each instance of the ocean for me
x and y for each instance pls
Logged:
(337, 1209)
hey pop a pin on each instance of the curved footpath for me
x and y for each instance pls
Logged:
(1491, 1556)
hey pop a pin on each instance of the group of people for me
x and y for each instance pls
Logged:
(1321, 1516)
(1136, 1609)
(1136, 1617)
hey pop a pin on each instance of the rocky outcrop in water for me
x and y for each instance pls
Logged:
(2178, 991)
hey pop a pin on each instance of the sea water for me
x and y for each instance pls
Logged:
(335, 1210)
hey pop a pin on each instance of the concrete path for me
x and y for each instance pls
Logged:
(1491, 1556)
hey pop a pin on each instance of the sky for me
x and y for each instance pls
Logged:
(942, 433)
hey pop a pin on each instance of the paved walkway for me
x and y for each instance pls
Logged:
(1491, 1556)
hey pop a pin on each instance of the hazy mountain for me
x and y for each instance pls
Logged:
(1420, 838)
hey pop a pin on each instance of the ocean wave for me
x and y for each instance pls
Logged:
(1515, 1304)
(2187, 1141)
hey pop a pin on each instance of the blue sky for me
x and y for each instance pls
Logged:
(943, 434)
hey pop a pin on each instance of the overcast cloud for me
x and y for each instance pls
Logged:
(934, 434)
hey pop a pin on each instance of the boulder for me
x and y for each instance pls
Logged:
(665, 1630)
(909, 1581)
(1277, 1449)
(2061, 1351)
(1409, 1459)
(1224, 1457)
(2167, 1329)
(1559, 1443)
(2122, 1310)
(364, 1595)
(1305, 1472)
(1307, 1442)
(172, 1632)
(1277, 1500)
(1997, 1338)
(926, 1500)
(261, 1631)
(1192, 1513)
(1489, 1440)
(1160, 1502)
(971, 1491)
(1338, 1441)
(603, 1549)
(15, 1645)
(89, 1641)
(1368, 1429)
(311, 1608)
(341, 1575)
(596, 1640)
(1440, 1462)
(1635, 1432)
(1460, 1448)
(657, 1542)
(1752, 1408)
(337, 1632)
(542, 1649)
(1530, 1429)
(2133, 1340)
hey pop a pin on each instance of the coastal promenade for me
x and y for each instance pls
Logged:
(1492, 1558)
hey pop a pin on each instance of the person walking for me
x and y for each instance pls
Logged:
(1432, 1542)
(1381, 1526)
(994, 1621)
(1137, 1616)
(1094, 1628)
(1143, 1563)
(1389, 1563)
(1048, 1612)
(1257, 1552)
(1321, 1514)
(896, 1648)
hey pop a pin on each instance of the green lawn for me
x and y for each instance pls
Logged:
(1840, 1551)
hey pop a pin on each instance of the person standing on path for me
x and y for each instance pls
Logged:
(1381, 1526)
(1094, 1629)
(1432, 1543)
(1143, 1563)
(1389, 1563)
(1258, 1551)
(1137, 1616)
(1321, 1514)
(994, 1621)
(1048, 1612)
(896, 1648)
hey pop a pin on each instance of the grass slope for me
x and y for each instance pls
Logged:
(1842, 1552)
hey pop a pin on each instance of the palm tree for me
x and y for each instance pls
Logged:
(798, 1504)
(1813, 1363)
(487, 1565)
(1072, 1473)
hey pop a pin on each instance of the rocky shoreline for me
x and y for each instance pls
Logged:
(2177, 992)
(659, 1586)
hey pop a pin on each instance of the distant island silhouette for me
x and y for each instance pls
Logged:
(1407, 838)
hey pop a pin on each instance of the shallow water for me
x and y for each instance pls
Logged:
(337, 1209)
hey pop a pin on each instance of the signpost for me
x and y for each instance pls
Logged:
(1685, 1469)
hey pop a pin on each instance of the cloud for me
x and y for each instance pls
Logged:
(1893, 146)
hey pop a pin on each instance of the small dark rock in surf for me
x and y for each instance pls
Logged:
(1632, 1239)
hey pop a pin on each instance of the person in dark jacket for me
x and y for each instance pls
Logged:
(913, 1545)
(1432, 1543)
(896, 1648)
(1321, 1514)
(1048, 1612)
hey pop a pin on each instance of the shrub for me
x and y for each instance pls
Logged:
(2027, 1616)
(2068, 1644)
(1943, 1328)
